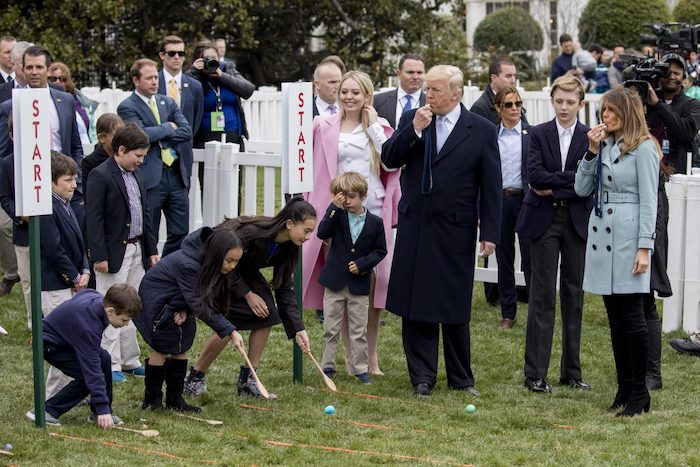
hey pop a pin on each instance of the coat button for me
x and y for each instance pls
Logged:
(128, 225)
(595, 229)
(609, 210)
(352, 250)
(607, 229)
(124, 242)
(594, 247)
(609, 248)
(610, 178)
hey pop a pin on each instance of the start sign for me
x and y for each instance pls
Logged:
(297, 139)
(32, 143)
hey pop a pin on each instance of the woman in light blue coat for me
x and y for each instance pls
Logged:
(621, 168)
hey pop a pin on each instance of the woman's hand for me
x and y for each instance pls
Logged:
(641, 262)
(237, 340)
(371, 114)
(303, 342)
(179, 317)
(198, 64)
(257, 304)
(595, 136)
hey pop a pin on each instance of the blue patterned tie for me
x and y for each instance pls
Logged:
(409, 104)
(442, 132)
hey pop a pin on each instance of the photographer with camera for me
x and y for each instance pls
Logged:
(223, 91)
(673, 118)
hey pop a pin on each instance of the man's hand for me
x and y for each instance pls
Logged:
(82, 283)
(547, 192)
(422, 118)
(152, 260)
(179, 317)
(652, 99)
(101, 266)
(486, 248)
(338, 200)
(352, 267)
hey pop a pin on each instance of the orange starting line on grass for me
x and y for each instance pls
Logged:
(337, 420)
(361, 395)
(320, 447)
(112, 444)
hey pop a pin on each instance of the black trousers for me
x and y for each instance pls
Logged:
(505, 256)
(560, 239)
(65, 359)
(420, 343)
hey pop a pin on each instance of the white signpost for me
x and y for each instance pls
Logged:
(32, 144)
(297, 139)
(297, 168)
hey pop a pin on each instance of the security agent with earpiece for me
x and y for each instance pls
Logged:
(674, 118)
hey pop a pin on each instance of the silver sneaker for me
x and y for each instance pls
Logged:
(195, 387)
(50, 419)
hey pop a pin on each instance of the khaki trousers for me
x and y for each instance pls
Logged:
(337, 305)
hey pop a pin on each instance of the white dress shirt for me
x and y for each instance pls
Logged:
(5, 75)
(168, 77)
(565, 135)
(55, 126)
(354, 155)
(323, 106)
(401, 102)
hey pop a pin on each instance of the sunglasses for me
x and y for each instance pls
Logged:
(53, 79)
(172, 53)
(509, 105)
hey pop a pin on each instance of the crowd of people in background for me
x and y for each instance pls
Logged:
(406, 184)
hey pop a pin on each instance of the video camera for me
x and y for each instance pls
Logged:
(672, 37)
(639, 72)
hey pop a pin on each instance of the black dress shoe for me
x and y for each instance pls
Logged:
(577, 383)
(422, 389)
(685, 345)
(537, 385)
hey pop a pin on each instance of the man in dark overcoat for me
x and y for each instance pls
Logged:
(452, 181)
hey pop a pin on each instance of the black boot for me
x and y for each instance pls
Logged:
(619, 347)
(153, 396)
(248, 386)
(639, 399)
(653, 378)
(175, 383)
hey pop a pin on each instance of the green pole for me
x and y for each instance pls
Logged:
(37, 316)
(297, 353)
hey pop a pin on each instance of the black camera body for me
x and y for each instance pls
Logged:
(211, 64)
(639, 72)
(672, 37)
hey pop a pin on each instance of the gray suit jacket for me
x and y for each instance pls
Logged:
(385, 105)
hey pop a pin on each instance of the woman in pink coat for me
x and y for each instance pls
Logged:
(351, 141)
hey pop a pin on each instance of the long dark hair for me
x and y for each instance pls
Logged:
(250, 228)
(212, 286)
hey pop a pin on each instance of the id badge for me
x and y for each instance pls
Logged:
(218, 122)
(665, 147)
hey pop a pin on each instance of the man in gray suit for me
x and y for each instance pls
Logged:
(408, 96)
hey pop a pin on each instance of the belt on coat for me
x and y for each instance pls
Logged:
(612, 197)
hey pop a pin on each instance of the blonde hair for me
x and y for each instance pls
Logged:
(350, 182)
(568, 83)
(626, 104)
(449, 73)
(365, 83)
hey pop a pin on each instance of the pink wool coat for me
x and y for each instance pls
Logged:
(326, 135)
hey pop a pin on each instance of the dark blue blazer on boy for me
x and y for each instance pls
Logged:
(108, 217)
(63, 256)
(367, 251)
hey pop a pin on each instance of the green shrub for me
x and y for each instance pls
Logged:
(687, 11)
(507, 30)
(610, 22)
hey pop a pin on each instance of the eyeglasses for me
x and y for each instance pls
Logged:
(172, 53)
(53, 79)
(509, 105)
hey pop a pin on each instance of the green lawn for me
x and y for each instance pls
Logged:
(510, 426)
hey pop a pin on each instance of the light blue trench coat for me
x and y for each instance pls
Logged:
(629, 190)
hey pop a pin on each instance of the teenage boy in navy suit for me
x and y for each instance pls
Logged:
(357, 246)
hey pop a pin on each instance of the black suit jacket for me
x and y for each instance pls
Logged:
(108, 217)
(433, 267)
(63, 256)
(366, 252)
(385, 105)
(191, 99)
(545, 172)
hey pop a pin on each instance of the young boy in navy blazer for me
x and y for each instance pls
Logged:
(64, 264)
(72, 335)
(357, 246)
